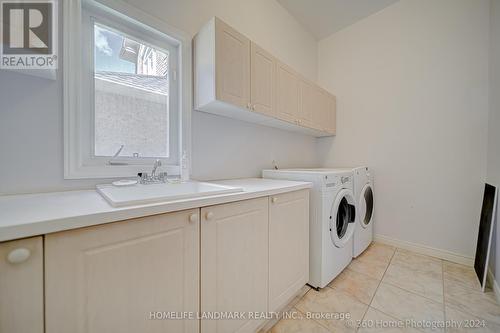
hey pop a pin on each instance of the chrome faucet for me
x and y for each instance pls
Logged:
(155, 177)
(156, 165)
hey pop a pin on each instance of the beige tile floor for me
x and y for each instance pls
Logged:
(388, 286)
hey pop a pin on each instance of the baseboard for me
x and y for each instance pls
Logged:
(427, 250)
(494, 285)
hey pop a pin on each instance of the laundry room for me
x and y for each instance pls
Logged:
(249, 166)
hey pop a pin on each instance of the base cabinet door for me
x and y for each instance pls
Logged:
(125, 277)
(288, 246)
(234, 264)
(21, 286)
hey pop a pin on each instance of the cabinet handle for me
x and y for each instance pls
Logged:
(274, 200)
(193, 218)
(209, 216)
(18, 256)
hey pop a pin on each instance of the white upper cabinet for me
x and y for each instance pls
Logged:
(222, 60)
(287, 93)
(234, 77)
(232, 65)
(262, 81)
(332, 114)
(321, 118)
(308, 103)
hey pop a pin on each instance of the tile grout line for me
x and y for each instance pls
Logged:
(390, 262)
(408, 291)
(314, 320)
(413, 292)
(376, 289)
(444, 304)
(395, 318)
(289, 307)
(368, 305)
(458, 308)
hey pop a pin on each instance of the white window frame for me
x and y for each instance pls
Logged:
(94, 15)
(78, 112)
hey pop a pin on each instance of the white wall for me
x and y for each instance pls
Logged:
(225, 148)
(494, 125)
(412, 92)
(31, 122)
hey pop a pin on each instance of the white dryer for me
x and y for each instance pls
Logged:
(363, 192)
(331, 219)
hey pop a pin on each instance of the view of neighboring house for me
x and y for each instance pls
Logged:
(139, 92)
(148, 61)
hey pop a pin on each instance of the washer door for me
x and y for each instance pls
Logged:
(365, 207)
(342, 218)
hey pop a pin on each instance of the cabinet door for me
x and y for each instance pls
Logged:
(262, 81)
(232, 65)
(308, 103)
(234, 263)
(116, 277)
(21, 286)
(287, 93)
(288, 246)
(320, 115)
(332, 115)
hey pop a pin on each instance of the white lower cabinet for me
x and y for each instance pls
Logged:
(21, 286)
(288, 246)
(160, 273)
(117, 277)
(234, 264)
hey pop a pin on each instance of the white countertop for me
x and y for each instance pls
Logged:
(37, 214)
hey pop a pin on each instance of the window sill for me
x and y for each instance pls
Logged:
(113, 171)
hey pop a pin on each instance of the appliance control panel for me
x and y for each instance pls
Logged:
(337, 180)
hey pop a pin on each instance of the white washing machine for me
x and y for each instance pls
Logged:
(331, 219)
(363, 192)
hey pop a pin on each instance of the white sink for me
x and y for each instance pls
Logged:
(143, 194)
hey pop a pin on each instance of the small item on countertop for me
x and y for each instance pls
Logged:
(124, 182)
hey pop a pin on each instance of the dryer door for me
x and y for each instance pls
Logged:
(342, 218)
(365, 206)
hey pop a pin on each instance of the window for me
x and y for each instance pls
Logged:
(131, 90)
(126, 102)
